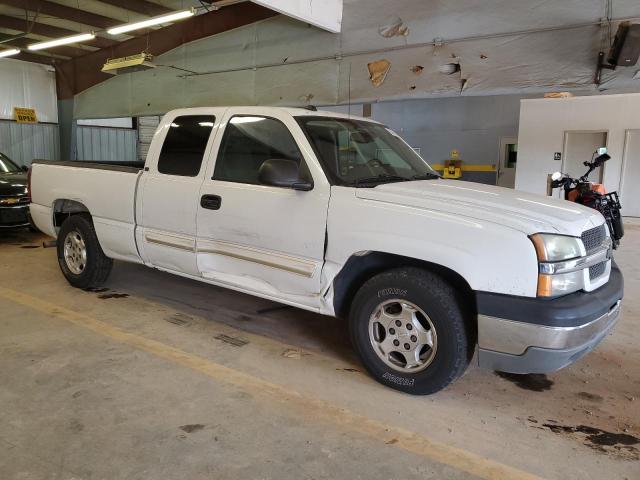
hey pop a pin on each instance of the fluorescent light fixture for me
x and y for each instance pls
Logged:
(206, 124)
(171, 17)
(83, 37)
(8, 53)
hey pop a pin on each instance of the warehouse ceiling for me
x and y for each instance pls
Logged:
(24, 22)
(387, 50)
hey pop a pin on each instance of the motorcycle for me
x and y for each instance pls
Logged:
(593, 195)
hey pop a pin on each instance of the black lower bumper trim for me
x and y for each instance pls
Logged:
(14, 216)
(568, 311)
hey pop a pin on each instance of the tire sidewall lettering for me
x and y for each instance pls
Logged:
(392, 291)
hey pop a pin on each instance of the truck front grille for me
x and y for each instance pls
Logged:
(597, 270)
(593, 238)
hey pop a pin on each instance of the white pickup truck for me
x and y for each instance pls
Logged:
(338, 215)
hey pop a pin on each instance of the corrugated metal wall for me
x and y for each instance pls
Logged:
(24, 142)
(106, 144)
(147, 127)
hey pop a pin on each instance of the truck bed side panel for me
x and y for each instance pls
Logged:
(109, 194)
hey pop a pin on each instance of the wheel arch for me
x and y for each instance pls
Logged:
(361, 267)
(64, 208)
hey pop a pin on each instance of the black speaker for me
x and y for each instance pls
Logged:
(626, 46)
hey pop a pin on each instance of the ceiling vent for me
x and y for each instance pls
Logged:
(132, 63)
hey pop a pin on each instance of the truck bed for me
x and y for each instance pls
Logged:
(106, 189)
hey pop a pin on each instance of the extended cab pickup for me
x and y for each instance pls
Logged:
(338, 215)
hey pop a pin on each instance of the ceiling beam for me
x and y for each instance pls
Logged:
(63, 12)
(24, 42)
(33, 58)
(76, 75)
(140, 6)
(21, 25)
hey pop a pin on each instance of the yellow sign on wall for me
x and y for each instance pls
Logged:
(25, 115)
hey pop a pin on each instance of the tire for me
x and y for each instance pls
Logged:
(412, 294)
(88, 270)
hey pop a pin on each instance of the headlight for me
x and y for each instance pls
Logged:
(556, 248)
(554, 285)
(555, 255)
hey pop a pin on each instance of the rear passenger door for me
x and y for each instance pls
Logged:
(169, 189)
(260, 238)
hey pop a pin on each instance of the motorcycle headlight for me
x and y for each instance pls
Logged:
(551, 249)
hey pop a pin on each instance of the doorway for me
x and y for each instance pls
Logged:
(508, 162)
(579, 147)
(629, 191)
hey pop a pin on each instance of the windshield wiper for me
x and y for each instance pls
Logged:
(382, 178)
(426, 176)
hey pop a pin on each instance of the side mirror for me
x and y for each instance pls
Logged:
(24, 168)
(555, 176)
(280, 172)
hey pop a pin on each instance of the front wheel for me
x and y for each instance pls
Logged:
(411, 330)
(80, 256)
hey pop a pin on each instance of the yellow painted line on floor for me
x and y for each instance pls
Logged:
(314, 408)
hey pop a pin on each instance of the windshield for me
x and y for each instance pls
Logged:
(359, 153)
(7, 166)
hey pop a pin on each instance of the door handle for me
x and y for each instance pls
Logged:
(211, 202)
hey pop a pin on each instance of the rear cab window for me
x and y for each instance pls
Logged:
(184, 146)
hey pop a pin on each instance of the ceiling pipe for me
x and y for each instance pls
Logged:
(15, 37)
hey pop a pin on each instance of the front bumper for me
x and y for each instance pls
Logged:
(14, 216)
(527, 335)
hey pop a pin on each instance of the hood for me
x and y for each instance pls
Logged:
(522, 211)
(13, 184)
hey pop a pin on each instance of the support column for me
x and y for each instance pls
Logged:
(67, 129)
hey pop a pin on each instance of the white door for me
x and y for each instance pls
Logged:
(263, 239)
(580, 147)
(508, 162)
(170, 188)
(629, 191)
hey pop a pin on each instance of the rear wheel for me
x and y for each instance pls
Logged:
(81, 259)
(411, 330)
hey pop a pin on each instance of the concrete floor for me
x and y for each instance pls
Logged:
(158, 377)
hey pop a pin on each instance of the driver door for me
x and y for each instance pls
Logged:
(264, 239)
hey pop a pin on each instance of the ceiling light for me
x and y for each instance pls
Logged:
(83, 37)
(8, 53)
(171, 17)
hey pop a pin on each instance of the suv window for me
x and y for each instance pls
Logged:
(248, 142)
(183, 148)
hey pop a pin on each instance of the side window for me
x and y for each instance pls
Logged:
(248, 142)
(183, 148)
